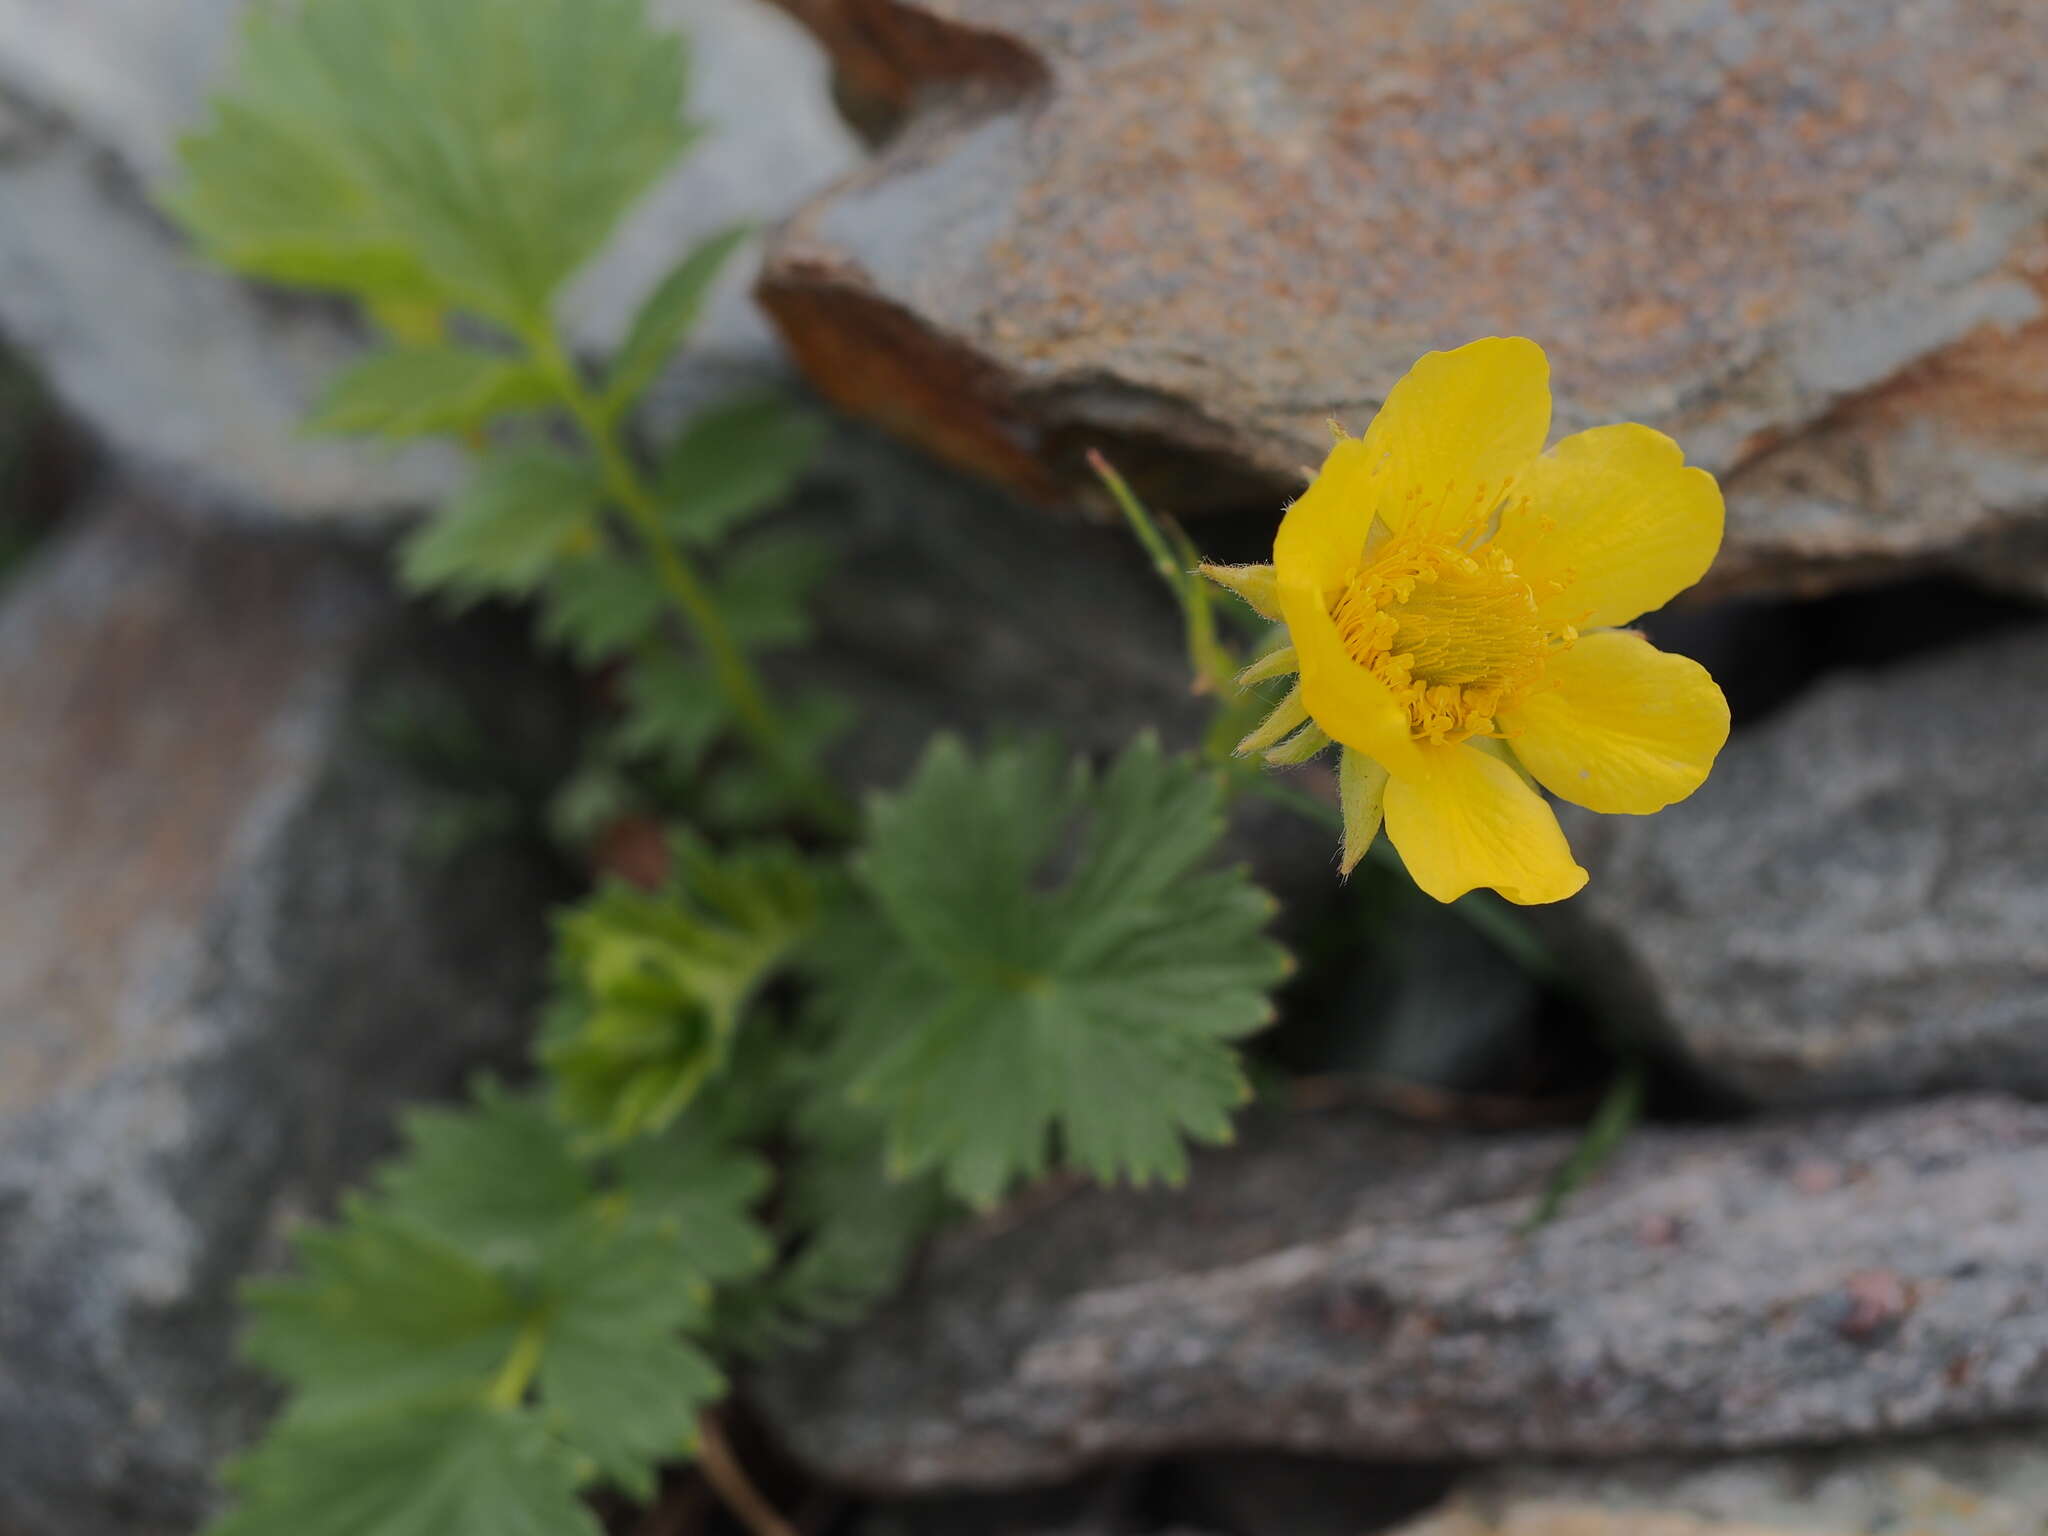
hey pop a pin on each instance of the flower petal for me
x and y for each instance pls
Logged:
(1361, 790)
(1455, 432)
(1468, 820)
(1625, 728)
(1322, 537)
(1346, 700)
(1610, 524)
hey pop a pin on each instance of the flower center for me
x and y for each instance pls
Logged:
(1453, 633)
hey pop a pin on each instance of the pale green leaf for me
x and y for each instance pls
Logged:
(456, 1469)
(404, 392)
(668, 316)
(765, 586)
(674, 710)
(475, 152)
(1051, 966)
(734, 460)
(521, 514)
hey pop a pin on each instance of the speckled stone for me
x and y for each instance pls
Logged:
(1338, 1285)
(1805, 238)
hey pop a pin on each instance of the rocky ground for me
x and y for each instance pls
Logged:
(259, 893)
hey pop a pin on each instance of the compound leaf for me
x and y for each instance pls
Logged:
(1049, 962)
(600, 605)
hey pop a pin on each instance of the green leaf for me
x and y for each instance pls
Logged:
(509, 527)
(406, 392)
(617, 1379)
(733, 460)
(1047, 959)
(765, 587)
(668, 316)
(599, 606)
(383, 1316)
(496, 1178)
(689, 1187)
(459, 1469)
(655, 985)
(475, 152)
(674, 710)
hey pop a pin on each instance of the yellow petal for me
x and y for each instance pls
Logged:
(1252, 584)
(1455, 432)
(1322, 537)
(1610, 524)
(1622, 727)
(1468, 820)
(1345, 699)
(1361, 788)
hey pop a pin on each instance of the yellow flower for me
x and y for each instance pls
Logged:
(1452, 596)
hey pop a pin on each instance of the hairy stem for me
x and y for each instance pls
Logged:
(734, 1488)
(688, 591)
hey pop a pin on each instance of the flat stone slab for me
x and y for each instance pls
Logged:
(1987, 1483)
(229, 952)
(1856, 903)
(202, 380)
(1805, 238)
(1339, 1285)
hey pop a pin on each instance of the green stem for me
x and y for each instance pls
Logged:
(1211, 663)
(508, 1388)
(1620, 1108)
(687, 590)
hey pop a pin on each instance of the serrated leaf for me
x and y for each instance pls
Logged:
(617, 1379)
(765, 587)
(674, 710)
(404, 392)
(384, 1315)
(692, 1189)
(600, 605)
(733, 460)
(668, 316)
(655, 985)
(460, 1469)
(1021, 1001)
(504, 533)
(470, 151)
(497, 1178)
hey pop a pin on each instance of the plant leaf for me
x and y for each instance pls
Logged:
(504, 533)
(669, 315)
(735, 459)
(404, 392)
(458, 1469)
(998, 1006)
(473, 152)
(600, 605)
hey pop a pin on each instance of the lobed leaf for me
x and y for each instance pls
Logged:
(734, 460)
(668, 316)
(1049, 964)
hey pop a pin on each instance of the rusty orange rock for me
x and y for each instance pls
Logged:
(1807, 239)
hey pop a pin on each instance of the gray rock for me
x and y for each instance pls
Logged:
(1991, 1483)
(200, 379)
(230, 949)
(1856, 903)
(1810, 253)
(1339, 1285)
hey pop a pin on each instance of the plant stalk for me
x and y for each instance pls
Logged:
(734, 1488)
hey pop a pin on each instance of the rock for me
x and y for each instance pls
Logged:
(1337, 1285)
(1855, 904)
(1983, 1484)
(1261, 1493)
(200, 379)
(1808, 247)
(231, 949)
